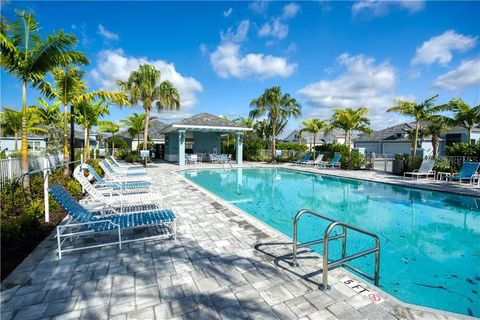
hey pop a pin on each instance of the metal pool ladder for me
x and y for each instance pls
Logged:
(327, 238)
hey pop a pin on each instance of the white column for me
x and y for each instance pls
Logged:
(239, 147)
(181, 147)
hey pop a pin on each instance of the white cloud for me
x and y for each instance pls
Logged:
(115, 65)
(382, 8)
(466, 75)
(239, 35)
(363, 84)
(227, 61)
(275, 29)
(290, 10)
(439, 49)
(170, 116)
(258, 6)
(107, 35)
(227, 12)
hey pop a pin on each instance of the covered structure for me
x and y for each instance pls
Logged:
(200, 134)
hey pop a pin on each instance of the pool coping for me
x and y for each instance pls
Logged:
(255, 221)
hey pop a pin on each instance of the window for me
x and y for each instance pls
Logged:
(452, 138)
(472, 141)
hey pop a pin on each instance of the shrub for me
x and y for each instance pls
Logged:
(133, 157)
(331, 149)
(291, 146)
(412, 163)
(121, 153)
(251, 149)
(442, 165)
(401, 156)
(463, 149)
(353, 161)
(74, 188)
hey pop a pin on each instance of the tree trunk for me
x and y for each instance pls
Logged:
(26, 180)
(65, 137)
(138, 141)
(274, 128)
(469, 135)
(314, 146)
(349, 141)
(113, 146)
(346, 136)
(145, 131)
(435, 142)
(416, 139)
(87, 145)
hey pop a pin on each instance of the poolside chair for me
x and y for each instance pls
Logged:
(111, 200)
(192, 158)
(128, 166)
(468, 172)
(81, 222)
(425, 170)
(117, 175)
(334, 163)
(305, 159)
(315, 162)
(126, 169)
(117, 185)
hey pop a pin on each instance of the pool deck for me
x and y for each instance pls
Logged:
(224, 264)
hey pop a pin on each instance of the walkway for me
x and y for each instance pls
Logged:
(223, 265)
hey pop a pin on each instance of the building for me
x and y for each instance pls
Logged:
(200, 134)
(154, 135)
(335, 136)
(35, 143)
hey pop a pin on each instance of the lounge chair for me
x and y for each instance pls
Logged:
(122, 175)
(315, 162)
(192, 158)
(425, 170)
(127, 166)
(82, 222)
(123, 186)
(305, 159)
(111, 200)
(334, 163)
(468, 172)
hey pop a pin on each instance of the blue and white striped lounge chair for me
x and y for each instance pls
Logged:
(425, 170)
(115, 184)
(334, 163)
(81, 222)
(468, 172)
(307, 157)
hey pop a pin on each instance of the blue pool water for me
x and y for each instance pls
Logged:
(430, 241)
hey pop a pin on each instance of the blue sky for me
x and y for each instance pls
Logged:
(326, 54)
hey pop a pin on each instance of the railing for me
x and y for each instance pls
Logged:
(12, 167)
(457, 161)
(327, 238)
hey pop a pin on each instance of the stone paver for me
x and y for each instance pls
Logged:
(211, 271)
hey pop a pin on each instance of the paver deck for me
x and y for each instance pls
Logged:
(223, 265)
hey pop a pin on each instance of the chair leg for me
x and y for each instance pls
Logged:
(119, 238)
(59, 242)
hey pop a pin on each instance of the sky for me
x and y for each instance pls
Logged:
(221, 55)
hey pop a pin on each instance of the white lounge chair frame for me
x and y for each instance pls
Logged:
(425, 170)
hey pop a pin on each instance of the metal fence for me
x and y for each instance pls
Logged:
(282, 155)
(11, 168)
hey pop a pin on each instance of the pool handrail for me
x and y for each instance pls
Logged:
(325, 240)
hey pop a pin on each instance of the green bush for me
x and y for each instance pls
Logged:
(412, 163)
(291, 146)
(442, 165)
(119, 142)
(133, 156)
(74, 188)
(331, 149)
(353, 161)
(463, 149)
(401, 156)
(251, 149)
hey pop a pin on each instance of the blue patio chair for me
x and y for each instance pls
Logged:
(468, 172)
(305, 159)
(334, 163)
(87, 223)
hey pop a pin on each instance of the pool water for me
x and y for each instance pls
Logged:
(430, 241)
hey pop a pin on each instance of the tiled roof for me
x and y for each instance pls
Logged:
(395, 133)
(207, 119)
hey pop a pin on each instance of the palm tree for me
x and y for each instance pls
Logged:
(70, 89)
(144, 86)
(436, 127)
(350, 120)
(87, 115)
(136, 125)
(419, 111)
(277, 107)
(11, 123)
(109, 127)
(313, 126)
(464, 115)
(27, 56)
(50, 114)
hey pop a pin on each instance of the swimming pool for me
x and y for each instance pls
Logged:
(430, 241)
